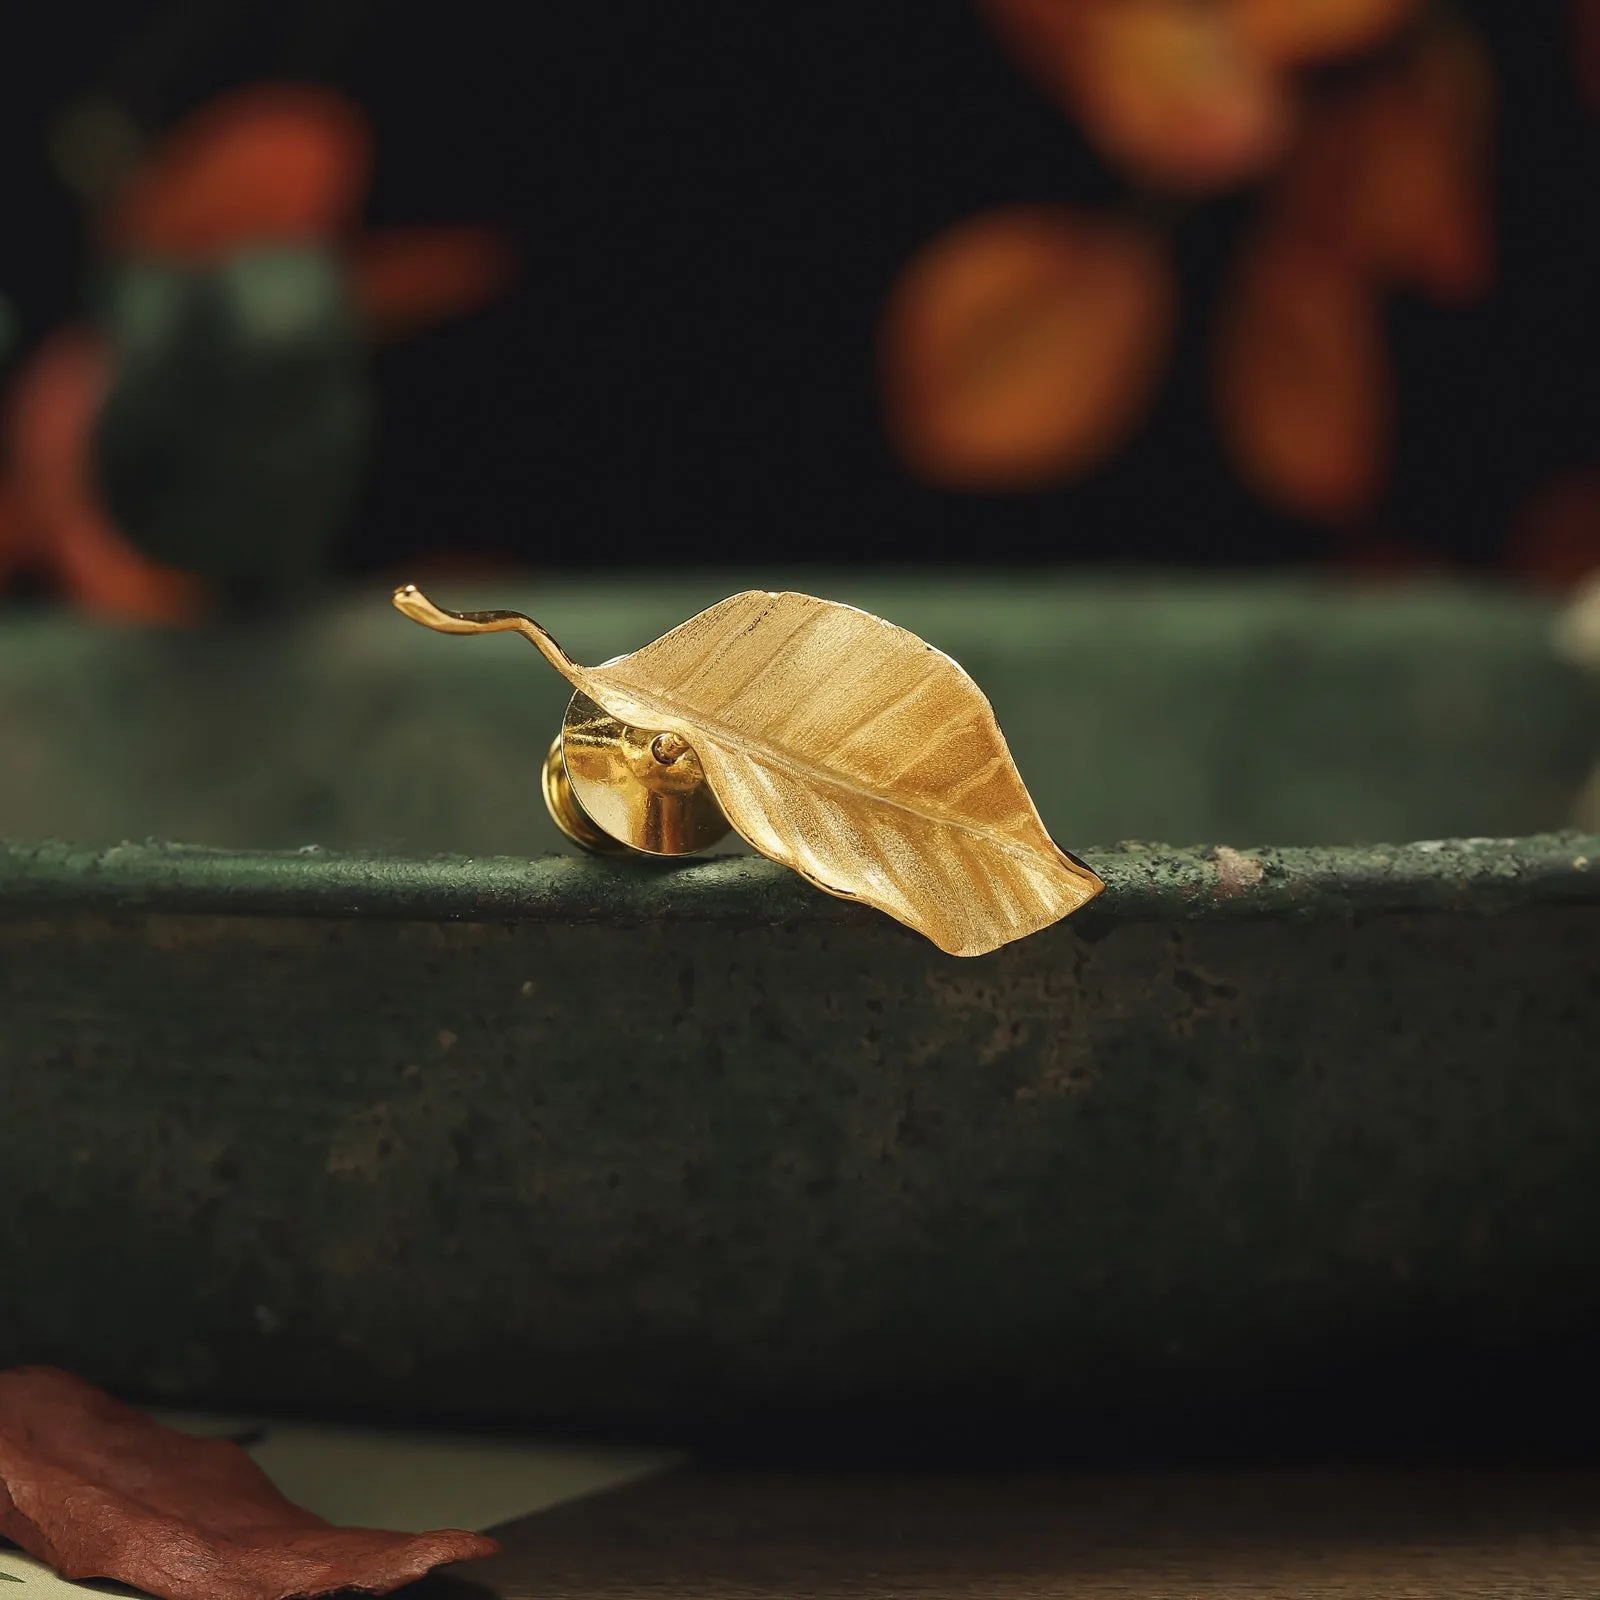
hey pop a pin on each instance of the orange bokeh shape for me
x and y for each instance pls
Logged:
(1168, 89)
(1186, 94)
(275, 162)
(1555, 540)
(405, 278)
(1394, 176)
(1296, 31)
(50, 518)
(1020, 347)
(1304, 397)
(269, 164)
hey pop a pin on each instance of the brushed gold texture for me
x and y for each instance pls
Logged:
(843, 747)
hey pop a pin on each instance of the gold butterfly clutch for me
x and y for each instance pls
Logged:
(826, 738)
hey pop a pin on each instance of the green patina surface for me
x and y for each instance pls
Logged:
(1201, 714)
(1143, 883)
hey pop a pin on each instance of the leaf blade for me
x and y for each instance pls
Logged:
(859, 755)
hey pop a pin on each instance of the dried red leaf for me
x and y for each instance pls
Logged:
(1170, 89)
(1292, 31)
(272, 162)
(1303, 381)
(1019, 347)
(407, 278)
(99, 1491)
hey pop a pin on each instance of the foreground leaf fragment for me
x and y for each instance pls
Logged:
(98, 1490)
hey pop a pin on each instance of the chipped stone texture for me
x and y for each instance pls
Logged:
(1236, 872)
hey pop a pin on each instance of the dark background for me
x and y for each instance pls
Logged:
(711, 203)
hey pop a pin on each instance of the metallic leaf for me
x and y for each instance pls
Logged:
(848, 749)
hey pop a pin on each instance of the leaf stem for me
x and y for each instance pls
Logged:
(410, 601)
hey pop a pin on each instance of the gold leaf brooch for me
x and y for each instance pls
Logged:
(828, 739)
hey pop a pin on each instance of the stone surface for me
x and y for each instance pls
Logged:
(505, 1136)
(661, 1148)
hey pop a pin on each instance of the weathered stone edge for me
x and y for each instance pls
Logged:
(1144, 882)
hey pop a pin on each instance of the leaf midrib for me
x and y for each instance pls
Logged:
(754, 749)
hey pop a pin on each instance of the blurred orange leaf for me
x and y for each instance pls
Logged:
(1450, 240)
(1170, 89)
(1303, 383)
(1021, 346)
(406, 278)
(53, 520)
(1394, 178)
(103, 573)
(1586, 49)
(1556, 539)
(11, 534)
(1292, 31)
(271, 162)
